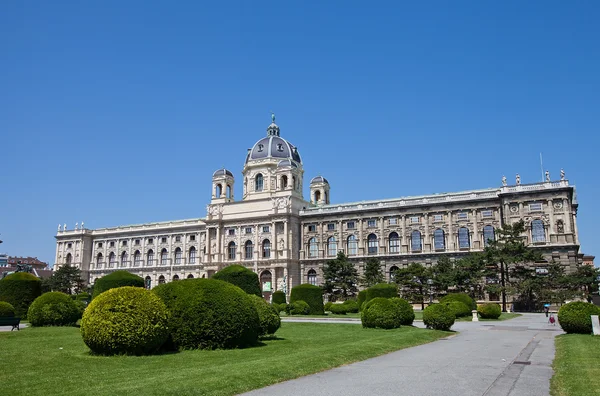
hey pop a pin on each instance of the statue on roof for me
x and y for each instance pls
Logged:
(547, 176)
(273, 117)
(518, 179)
(504, 180)
(562, 174)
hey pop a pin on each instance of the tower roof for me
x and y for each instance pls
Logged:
(273, 146)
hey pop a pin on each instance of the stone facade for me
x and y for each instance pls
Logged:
(287, 240)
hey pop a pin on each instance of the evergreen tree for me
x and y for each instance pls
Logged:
(341, 278)
(412, 282)
(373, 273)
(67, 279)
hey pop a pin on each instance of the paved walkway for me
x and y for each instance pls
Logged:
(511, 357)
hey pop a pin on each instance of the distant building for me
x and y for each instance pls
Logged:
(40, 268)
(588, 260)
(3, 261)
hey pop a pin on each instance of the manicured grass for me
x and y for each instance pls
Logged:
(54, 361)
(576, 369)
(418, 316)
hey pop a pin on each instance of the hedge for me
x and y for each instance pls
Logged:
(385, 290)
(438, 317)
(462, 297)
(407, 313)
(489, 311)
(53, 309)
(116, 279)
(278, 297)
(240, 276)
(362, 296)
(126, 320)
(312, 295)
(380, 313)
(6, 310)
(338, 309)
(267, 315)
(209, 314)
(575, 317)
(297, 308)
(327, 306)
(459, 308)
(19, 289)
(351, 306)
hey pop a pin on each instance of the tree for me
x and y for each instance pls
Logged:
(443, 275)
(373, 273)
(341, 278)
(585, 280)
(412, 282)
(468, 273)
(67, 279)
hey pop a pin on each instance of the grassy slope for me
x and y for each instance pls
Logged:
(576, 368)
(54, 360)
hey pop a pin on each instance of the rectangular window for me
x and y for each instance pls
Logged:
(438, 217)
(124, 243)
(487, 213)
(163, 240)
(312, 228)
(350, 225)
(535, 207)
(150, 240)
(178, 239)
(69, 245)
(248, 230)
(137, 241)
(112, 244)
(414, 220)
(192, 238)
(266, 229)
(393, 221)
(231, 231)
(100, 245)
(372, 223)
(462, 216)
(331, 227)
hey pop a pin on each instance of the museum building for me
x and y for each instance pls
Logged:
(287, 240)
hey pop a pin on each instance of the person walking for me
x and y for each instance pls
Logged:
(546, 309)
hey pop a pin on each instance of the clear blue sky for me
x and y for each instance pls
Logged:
(118, 112)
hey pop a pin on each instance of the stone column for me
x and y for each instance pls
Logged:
(426, 240)
(382, 249)
(551, 219)
(240, 248)
(475, 229)
(341, 243)
(360, 246)
(403, 238)
(322, 243)
(451, 238)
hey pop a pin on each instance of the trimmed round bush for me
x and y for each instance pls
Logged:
(407, 313)
(360, 299)
(438, 317)
(267, 315)
(6, 310)
(380, 313)
(327, 306)
(53, 309)
(19, 290)
(126, 320)
(385, 290)
(116, 279)
(338, 309)
(351, 306)
(297, 308)
(209, 314)
(278, 297)
(574, 317)
(460, 309)
(462, 297)
(489, 311)
(310, 294)
(242, 277)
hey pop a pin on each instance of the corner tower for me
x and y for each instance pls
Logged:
(222, 186)
(319, 191)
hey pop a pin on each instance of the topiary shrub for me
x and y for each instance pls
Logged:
(126, 320)
(19, 290)
(53, 309)
(489, 311)
(327, 306)
(338, 309)
(462, 297)
(380, 313)
(438, 317)
(116, 279)
(310, 294)
(385, 290)
(6, 310)
(242, 277)
(574, 317)
(351, 306)
(407, 313)
(460, 309)
(278, 297)
(362, 296)
(209, 314)
(267, 315)
(297, 308)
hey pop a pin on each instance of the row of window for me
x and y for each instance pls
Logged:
(259, 182)
(248, 230)
(249, 250)
(137, 257)
(137, 242)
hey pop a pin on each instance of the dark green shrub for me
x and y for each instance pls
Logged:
(116, 279)
(282, 307)
(380, 313)
(310, 294)
(327, 306)
(278, 297)
(53, 309)
(489, 311)
(460, 309)
(126, 320)
(385, 290)
(438, 317)
(574, 317)
(462, 297)
(362, 296)
(19, 290)
(87, 297)
(242, 277)
(407, 313)
(267, 315)
(351, 306)
(297, 308)
(6, 310)
(209, 314)
(338, 309)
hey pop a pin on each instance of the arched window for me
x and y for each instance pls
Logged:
(190, 276)
(123, 259)
(394, 243)
(415, 241)
(228, 191)
(393, 270)
(312, 277)
(164, 257)
(352, 245)
(175, 277)
(192, 255)
(178, 255)
(150, 258)
(538, 233)
(259, 182)
(161, 280)
(372, 243)
(218, 191)
(294, 182)
(69, 259)
(112, 260)
(249, 250)
(284, 182)
(266, 249)
(331, 246)
(231, 250)
(137, 258)
(317, 196)
(439, 239)
(463, 238)
(326, 198)
(148, 282)
(488, 234)
(313, 247)
(99, 259)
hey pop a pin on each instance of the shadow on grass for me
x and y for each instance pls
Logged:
(271, 337)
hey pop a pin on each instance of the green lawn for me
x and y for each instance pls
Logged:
(54, 360)
(576, 368)
(418, 316)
